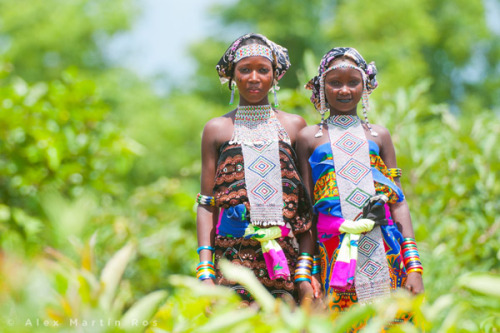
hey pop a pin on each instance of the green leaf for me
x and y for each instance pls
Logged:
(111, 275)
(142, 311)
(228, 320)
(484, 283)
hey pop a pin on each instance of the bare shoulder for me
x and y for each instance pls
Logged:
(384, 141)
(292, 123)
(383, 133)
(307, 138)
(308, 132)
(290, 119)
(220, 129)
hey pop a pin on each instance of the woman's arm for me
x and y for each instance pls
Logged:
(400, 211)
(207, 215)
(304, 150)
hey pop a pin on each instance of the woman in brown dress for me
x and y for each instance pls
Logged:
(253, 210)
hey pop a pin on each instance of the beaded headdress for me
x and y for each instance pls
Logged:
(278, 57)
(316, 84)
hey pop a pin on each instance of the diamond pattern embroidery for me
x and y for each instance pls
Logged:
(358, 198)
(354, 171)
(349, 143)
(260, 147)
(262, 166)
(370, 269)
(264, 191)
(367, 246)
(344, 121)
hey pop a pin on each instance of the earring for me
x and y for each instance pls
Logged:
(320, 131)
(366, 107)
(231, 101)
(276, 104)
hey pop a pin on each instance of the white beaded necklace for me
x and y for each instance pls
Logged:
(256, 124)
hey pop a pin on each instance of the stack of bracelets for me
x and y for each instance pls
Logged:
(205, 200)
(410, 256)
(303, 268)
(316, 265)
(205, 270)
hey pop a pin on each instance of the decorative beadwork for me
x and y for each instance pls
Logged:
(351, 158)
(256, 124)
(253, 50)
(258, 130)
(205, 200)
(395, 172)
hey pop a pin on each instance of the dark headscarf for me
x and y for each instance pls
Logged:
(225, 66)
(370, 82)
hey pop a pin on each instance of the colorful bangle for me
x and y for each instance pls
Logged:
(205, 200)
(302, 279)
(316, 265)
(418, 270)
(205, 270)
(205, 247)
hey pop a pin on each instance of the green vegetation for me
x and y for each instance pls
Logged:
(98, 173)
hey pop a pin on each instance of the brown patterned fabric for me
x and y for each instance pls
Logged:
(230, 190)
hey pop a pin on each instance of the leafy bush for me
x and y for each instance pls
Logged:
(56, 137)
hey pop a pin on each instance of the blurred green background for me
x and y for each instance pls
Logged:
(99, 166)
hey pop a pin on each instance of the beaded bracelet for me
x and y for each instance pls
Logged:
(205, 200)
(205, 247)
(205, 270)
(411, 258)
(303, 268)
(395, 172)
(316, 265)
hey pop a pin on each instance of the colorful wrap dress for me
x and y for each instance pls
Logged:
(230, 194)
(327, 201)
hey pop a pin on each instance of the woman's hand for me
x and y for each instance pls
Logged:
(208, 308)
(414, 283)
(208, 282)
(316, 285)
(318, 291)
(306, 293)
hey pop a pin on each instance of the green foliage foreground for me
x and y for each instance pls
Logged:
(67, 296)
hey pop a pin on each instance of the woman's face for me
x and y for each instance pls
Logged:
(254, 79)
(343, 88)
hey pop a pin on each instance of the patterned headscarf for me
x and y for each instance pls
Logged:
(226, 64)
(370, 82)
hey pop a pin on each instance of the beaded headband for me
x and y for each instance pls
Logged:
(253, 50)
